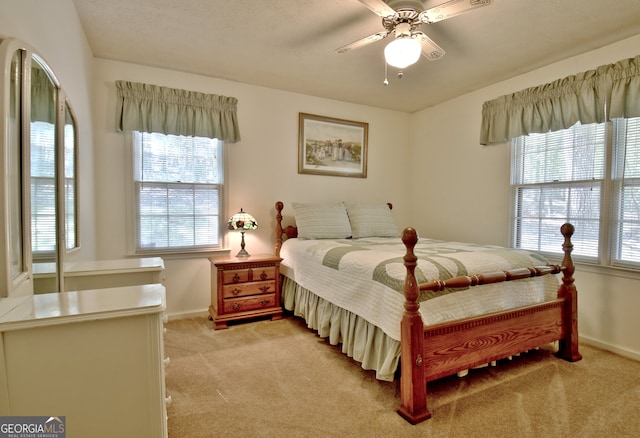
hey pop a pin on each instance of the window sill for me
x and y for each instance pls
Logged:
(178, 255)
(593, 268)
(613, 271)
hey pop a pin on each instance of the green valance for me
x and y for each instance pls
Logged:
(43, 96)
(625, 89)
(152, 108)
(595, 96)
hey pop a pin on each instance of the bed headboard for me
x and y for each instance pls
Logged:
(290, 231)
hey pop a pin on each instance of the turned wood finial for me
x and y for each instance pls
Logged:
(411, 289)
(409, 237)
(567, 231)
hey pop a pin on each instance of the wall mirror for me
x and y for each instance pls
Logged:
(39, 160)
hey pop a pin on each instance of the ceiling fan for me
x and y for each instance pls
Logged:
(404, 19)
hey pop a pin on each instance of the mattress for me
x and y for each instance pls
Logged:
(366, 276)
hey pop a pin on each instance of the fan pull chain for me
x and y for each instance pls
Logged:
(386, 81)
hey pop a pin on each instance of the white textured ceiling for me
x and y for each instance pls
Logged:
(289, 44)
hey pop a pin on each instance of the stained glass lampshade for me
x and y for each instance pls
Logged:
(242, 221)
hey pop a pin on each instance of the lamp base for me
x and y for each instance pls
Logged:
(242, 253)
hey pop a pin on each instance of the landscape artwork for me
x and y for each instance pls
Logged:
(330, 146)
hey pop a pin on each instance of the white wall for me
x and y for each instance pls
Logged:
(461, 191)
(262, 168)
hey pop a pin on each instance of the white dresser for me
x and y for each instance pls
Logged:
(100, 274)
(95, 357)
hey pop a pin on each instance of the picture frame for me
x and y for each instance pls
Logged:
(332, 147)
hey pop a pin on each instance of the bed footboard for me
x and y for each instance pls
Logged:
(432, 352)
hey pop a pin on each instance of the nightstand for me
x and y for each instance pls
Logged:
(244, 288)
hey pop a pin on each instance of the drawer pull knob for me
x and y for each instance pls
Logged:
(263, 276)
(236, 291)
(235, 306)
(264, 302)
(236, 278)
(265, 288)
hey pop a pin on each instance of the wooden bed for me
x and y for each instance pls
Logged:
(429, 352)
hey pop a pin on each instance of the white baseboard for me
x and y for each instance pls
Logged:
(189, 314)
(625, 352)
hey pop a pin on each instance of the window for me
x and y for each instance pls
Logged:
(43, 189)
(178, 185)
(43, 199)
(588, 175)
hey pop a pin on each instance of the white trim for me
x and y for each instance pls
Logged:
(186, 315)
(622, 351)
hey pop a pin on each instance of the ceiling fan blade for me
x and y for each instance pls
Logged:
(379, 7)
(363, 42)
(451, 9)
(430, 50)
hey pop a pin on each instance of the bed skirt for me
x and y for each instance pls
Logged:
(358, 338)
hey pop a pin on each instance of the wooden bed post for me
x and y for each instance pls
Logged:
(413, 386)
(569, 344)
(279, 207)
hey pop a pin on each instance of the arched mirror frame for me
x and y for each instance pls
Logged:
(16, 262)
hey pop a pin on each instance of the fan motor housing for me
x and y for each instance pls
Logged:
(409, 16)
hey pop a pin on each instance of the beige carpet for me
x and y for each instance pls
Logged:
(278, 378)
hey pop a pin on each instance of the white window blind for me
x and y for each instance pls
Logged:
(43, 193)
(563, 176)
(178, 183)
(626, 177)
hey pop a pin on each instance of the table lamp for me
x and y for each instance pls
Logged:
(242, 221)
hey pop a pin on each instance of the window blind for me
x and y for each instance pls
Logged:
(178, 189)
(626, 176)
(43, 193)
(557, 178)
(564, 176)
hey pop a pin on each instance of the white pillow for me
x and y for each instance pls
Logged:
(322, 221)
(371, 220)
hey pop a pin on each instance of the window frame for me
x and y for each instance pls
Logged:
(608, 210)
(132, 228)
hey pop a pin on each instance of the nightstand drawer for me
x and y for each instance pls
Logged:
(263, 273)
(249, 303)
(236, 276)
(244, 275)
(244, 289)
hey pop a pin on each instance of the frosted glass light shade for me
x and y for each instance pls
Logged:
(402, 52)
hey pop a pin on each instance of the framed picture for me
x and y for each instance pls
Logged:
(335, 147)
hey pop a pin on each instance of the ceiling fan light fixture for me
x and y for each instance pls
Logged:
(402, 52)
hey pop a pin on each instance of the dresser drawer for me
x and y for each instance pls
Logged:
(245, 289)
(249, 303)
(252, 274)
